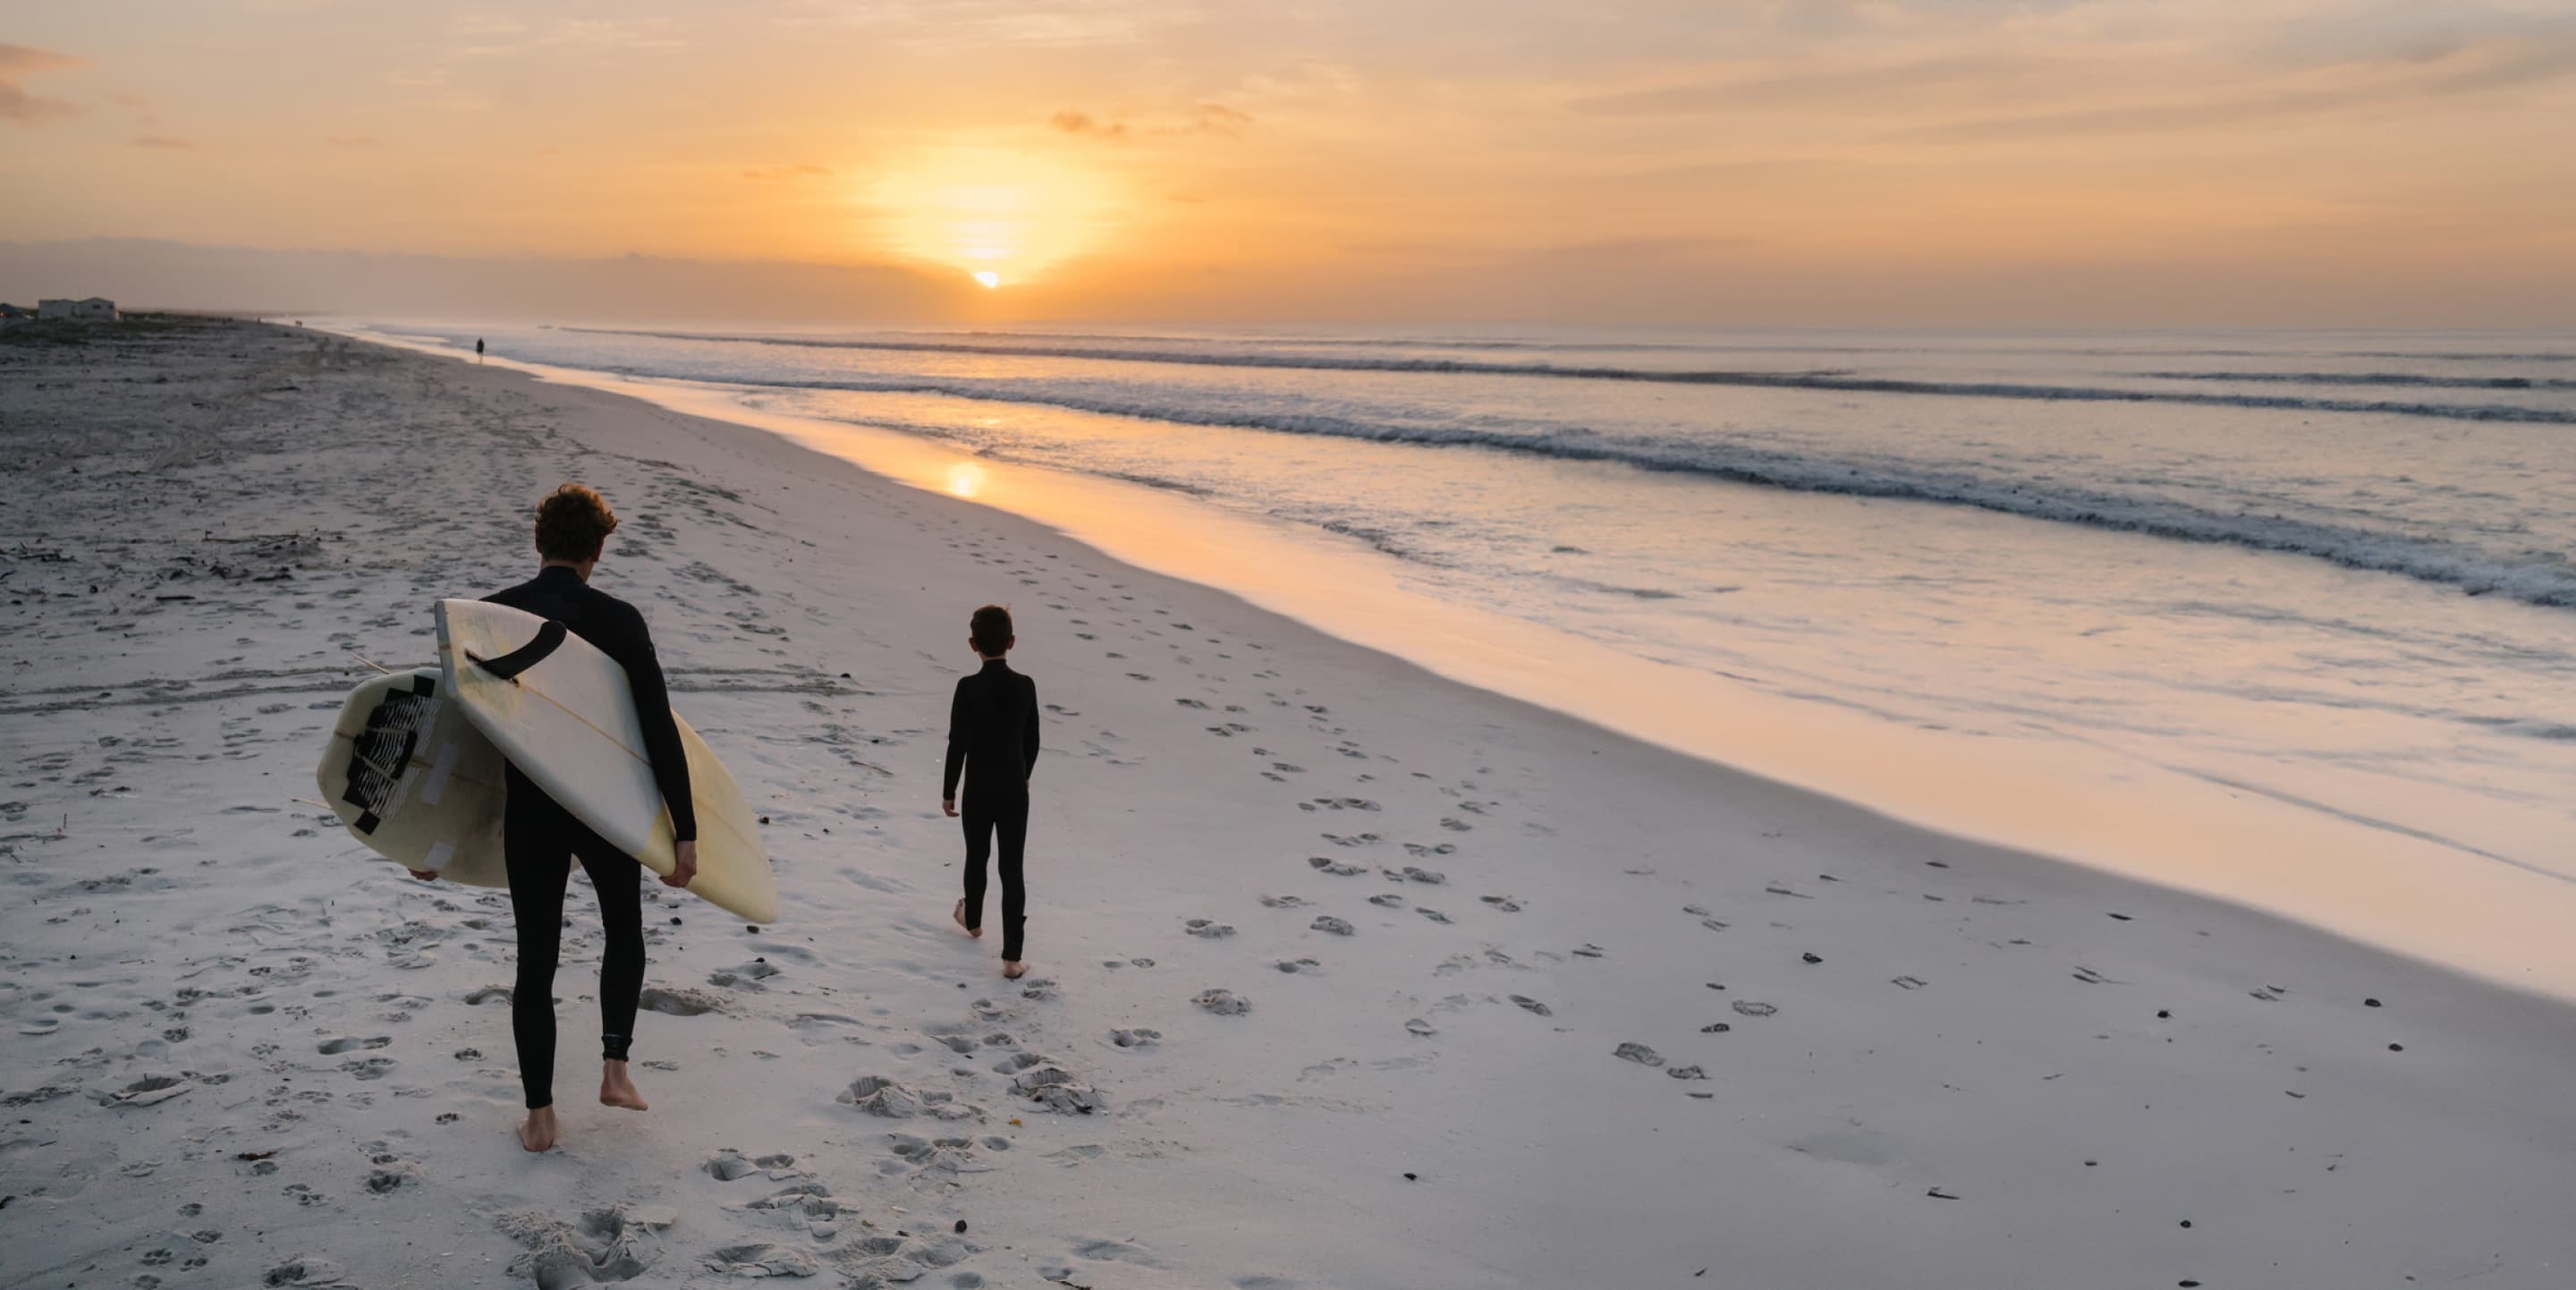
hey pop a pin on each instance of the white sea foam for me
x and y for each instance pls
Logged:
(2197, 551)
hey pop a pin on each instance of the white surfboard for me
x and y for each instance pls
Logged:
(413, 779)
(564, 716)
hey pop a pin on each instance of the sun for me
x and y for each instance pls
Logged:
(993, 212)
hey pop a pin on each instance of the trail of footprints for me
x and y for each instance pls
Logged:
(1461, 814)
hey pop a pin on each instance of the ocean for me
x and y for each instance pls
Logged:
(2287, 617)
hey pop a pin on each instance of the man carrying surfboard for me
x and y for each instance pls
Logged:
(573, 524)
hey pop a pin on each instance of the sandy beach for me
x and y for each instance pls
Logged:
(1344, 975)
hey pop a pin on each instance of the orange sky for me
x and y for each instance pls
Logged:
(2121, 162)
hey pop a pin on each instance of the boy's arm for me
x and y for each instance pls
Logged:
(956, 745)
(1029, 736)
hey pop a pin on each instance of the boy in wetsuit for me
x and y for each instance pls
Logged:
(993, 735)
(538, 834)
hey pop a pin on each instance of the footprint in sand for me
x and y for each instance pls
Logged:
(1334, 867)
(678, 1003)
(1224, 1003)
(1432, 914)
(1638, 1053)
(1209, 929)
(1283, 902)
(1387, 899)
(349, 1044)
(744, 976)
(305, 1270)
(873, 1094)
(1504, 903)
(1533, 1005)
(1137, 1038)
(1296, 965)
(1328, 923)
(760, 1260)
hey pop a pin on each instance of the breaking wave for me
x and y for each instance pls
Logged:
(1843, 382)
(2540, 578)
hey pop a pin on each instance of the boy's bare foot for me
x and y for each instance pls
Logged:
(959, 914)
(1014, 970)
(537, 1132)
(615, 1089)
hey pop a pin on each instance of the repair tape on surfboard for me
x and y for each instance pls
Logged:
(439, 769)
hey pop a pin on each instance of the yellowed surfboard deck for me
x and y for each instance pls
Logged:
(412, 778)
(565, 717)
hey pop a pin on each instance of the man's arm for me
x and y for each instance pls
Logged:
(957, 737)
(1029, 736)
(661, 732)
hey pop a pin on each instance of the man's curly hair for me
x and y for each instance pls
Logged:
(573, 523)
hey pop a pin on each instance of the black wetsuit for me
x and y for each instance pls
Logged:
(537, 834)
(993, 731)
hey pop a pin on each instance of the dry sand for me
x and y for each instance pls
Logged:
(1345, 975)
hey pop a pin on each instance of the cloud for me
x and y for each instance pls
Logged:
(2474, 72)
(1860, 85)
(1206, 118)
(797, 171)
(16, 104)
(164, 142)
(18, 60)
(1215, 118)
(988, 24)
(1072, 122)
(2408, 34)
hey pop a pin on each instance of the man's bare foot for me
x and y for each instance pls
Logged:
(615, 1089)
(537, 1132)
(1014, 970)
(959, 914)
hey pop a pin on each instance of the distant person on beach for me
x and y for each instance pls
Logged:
(478, 349)
(993, 741)
(537, 834)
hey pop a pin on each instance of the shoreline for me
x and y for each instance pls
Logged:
(1973, 1054)
(2431, 898)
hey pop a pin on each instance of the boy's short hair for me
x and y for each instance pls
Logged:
(990, 629)
(573, 523)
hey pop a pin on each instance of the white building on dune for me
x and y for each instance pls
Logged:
(94, 309)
